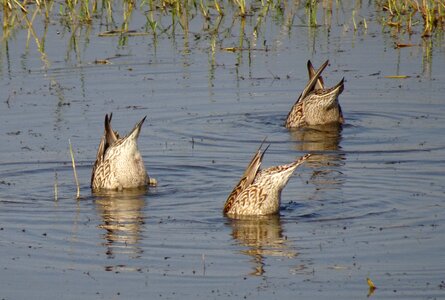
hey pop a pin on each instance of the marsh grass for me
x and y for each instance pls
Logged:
(405, 15)
(161, 15)
(169, 15)
(210, 20)
(311, 12)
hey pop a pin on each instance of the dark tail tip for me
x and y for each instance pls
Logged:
(139, 125)
(309, 64)
(108, 119)
(341, 85)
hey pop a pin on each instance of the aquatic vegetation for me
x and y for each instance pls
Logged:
(165, 15)
(211, 21)
(74, 170)
(161, 15)
(371, 286)
(311, 12)
(406, 14)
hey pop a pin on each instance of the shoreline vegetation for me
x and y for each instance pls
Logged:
(176, 16)
(405, 15)
(243, 22)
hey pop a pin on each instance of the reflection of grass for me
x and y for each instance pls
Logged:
(404, 14)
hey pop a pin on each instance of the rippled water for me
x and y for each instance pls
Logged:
(369, 204)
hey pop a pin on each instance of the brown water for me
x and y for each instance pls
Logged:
(370, 204)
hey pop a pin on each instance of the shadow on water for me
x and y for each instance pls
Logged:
(263, 237)
(122, 215)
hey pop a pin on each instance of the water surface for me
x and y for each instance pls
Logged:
(369, 204)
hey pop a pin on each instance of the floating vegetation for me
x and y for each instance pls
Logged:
(397, 76)
(371, 286)
(404, 15)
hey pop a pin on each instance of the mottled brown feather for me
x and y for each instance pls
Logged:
(118, 162)
(316, 105)
(295, 117)
(262, 196)
(247, 178)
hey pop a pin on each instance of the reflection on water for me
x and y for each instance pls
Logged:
(122, 219)
(317, 138)
(263, 236)
(323, 142)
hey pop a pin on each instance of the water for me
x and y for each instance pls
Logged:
(369, 204)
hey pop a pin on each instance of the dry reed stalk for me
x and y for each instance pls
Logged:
(74, 170)
(56, 192)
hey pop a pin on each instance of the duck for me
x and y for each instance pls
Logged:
(258, 192)
(317, 105)
(119, 163)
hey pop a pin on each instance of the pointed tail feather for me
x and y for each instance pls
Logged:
(134, 134)
(299, 162)
(110, 135)
(310, 85)
(303, 158)
(340, 86)
(255, 163)
(248, 176)
(294, 165)
(320, 83)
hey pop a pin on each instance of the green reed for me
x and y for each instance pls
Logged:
(404, 15)
(170, 16)
(84, 12)
(311, 12)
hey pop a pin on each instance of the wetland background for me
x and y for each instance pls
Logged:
(214, 79)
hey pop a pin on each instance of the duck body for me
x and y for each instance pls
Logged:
(119, 163)
(317, 105)
(259, 191)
